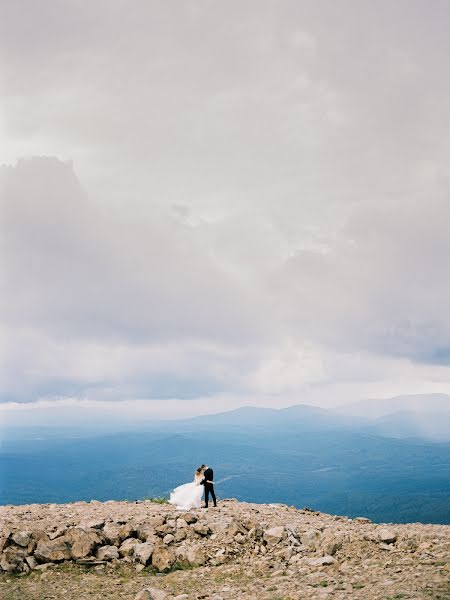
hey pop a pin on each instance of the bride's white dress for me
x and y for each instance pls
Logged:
(188, 495)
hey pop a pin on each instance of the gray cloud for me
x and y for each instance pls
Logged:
(263, 197)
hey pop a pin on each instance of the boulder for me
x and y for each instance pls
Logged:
(107, 553)
(275, 535)
(52, 550)
(201, 529)
(3, 542)
(331, 543)
(57, 533)
(21, 538)
(191, 555)
(151, 594)
(82, 542)
(11, 558)
(234, 527)
(127, 530)
(386, 536)
(127, 547)
(143, 552)
(311, 538)
(181, 523)
(179, 536)
(163, 530)
(145, 531)
(168, 539)
(31, 562)
(319, 562)
(157, 520)
(189, 518)
(111, 533)
(163, 558)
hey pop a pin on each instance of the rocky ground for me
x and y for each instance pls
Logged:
(150, 551)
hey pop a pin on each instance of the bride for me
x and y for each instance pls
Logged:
(189, 495)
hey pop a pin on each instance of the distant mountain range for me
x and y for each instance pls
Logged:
(423, 417)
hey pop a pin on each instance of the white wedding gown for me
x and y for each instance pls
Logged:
(188, 495)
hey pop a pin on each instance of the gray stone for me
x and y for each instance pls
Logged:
(386, 536)
(275, 535)
(107, 553)
(21, 538)
(319, 562)
(201, 529)
(143, 552)
(31, 562)
(191, 555)
(111, 533)
(127, 547)
(52, 550)
(189, 518)
(82, 542)
(163, 558)
(168, 539)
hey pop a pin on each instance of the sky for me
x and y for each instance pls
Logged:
(207, 205)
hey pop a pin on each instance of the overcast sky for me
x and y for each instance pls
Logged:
(228, 203)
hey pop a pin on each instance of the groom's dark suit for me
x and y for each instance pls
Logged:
(209, 487)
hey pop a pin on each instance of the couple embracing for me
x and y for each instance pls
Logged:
(189, 495)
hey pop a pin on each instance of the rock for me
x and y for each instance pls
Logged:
(94, 524)
(21, 538)
(180, 535)
(82, 542)
(143, 552)
(107, 553)
(311, 538)
(275, 535)
(362, 520)
(157, 520)
(189, 518)
(111, 533)
(331, 543)
(11, 558)
(3, 542)
(146, 531)
(181, 523)
(127, 547)
(191, 555)
(163, 558)
(59, 532)
(235, 527)
(31, 562)
(151, 594)
(127, 530)
(168, 539)
(163, 530)
(386, 536)
(201, 529)
(52, 550)
(182, 597)
(319, 562)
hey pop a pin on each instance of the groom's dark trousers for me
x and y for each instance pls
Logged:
(209, 487)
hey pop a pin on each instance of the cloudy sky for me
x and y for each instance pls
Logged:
(211, 204)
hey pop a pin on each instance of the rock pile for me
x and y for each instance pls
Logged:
(274, 540)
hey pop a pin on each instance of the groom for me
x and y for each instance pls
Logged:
(208, 476)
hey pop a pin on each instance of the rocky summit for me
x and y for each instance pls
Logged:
(150, 551)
